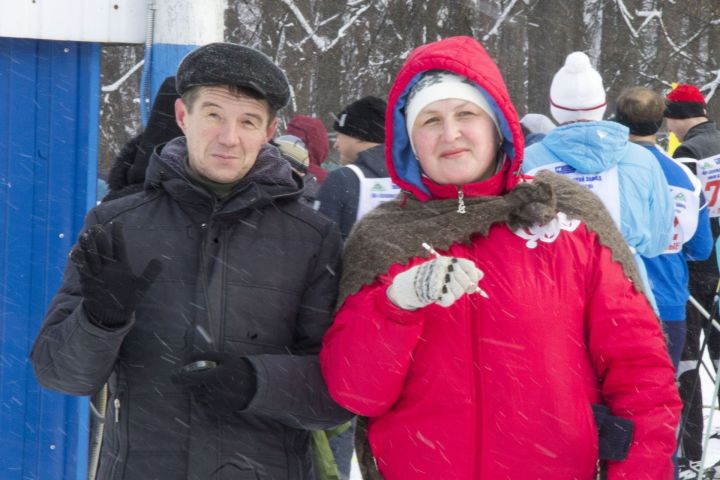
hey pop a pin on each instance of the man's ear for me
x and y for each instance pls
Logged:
(180, 113)
(271, 129)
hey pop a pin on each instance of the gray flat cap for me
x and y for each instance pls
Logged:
(232, 64)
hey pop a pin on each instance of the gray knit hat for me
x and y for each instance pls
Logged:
(232, 64)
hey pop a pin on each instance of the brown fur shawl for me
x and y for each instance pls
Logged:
(394, 232)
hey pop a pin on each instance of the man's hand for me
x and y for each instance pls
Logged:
(442, 280)
(110, 290)
(223, 389)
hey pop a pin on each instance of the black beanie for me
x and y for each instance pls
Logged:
(237, 65)
(363, 119)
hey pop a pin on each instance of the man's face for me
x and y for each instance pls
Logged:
(224, 132)
(347, 147)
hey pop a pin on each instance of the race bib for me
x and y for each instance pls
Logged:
(373, 191)
(685, 223)
(708, 172)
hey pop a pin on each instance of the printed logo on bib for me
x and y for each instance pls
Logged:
(708, 172)
(564, 170)
(685, 223)
(373, 191)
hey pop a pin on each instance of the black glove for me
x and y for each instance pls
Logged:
(223, 389)
(110, 290)
(615, 434)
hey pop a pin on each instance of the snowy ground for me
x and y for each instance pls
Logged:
(355, 472)
(713, 452)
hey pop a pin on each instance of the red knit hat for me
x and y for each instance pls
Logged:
(685, 101)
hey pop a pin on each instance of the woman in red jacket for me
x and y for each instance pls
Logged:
(482, 359)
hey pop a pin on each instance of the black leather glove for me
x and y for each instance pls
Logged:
(223, 389)
(110, 290)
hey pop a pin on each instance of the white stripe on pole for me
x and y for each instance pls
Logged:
(189, 22)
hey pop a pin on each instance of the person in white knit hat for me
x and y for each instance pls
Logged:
(598, 154)
(577, 91)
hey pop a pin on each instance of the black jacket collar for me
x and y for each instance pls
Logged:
(270, 179)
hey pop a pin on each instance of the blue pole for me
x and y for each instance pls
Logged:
(180, 26)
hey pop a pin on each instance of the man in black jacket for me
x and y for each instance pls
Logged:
(686, 117)
(350, 192)
(203, 299)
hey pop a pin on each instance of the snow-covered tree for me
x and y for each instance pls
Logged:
(337, 51)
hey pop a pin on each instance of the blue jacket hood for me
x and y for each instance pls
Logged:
(589, 147)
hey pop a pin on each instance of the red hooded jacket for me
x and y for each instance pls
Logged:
(501, 388)
(313, 133)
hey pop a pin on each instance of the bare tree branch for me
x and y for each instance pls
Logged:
(344, 28)
(114, 86)
(627, 16)
(712, 86)
(500, 21)
(319, 41)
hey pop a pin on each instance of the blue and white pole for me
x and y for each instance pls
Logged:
(174, 28)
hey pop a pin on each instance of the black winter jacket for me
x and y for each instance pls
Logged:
(255, 275)
(702, 141)
(340, 192)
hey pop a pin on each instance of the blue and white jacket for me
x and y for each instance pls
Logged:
(625, 176)
(692, 238)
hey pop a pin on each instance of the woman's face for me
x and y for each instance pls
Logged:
(455, 141)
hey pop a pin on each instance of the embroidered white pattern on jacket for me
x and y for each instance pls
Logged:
(547, 233)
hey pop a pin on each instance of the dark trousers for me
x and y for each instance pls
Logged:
(702, 287)
(675, 333)
(342, 448)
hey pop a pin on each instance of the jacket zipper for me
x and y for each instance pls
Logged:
(221, 321)
(117, 469)
(205, 229)
(116, 403)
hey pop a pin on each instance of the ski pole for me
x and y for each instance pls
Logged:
(706, 438)
(701, 353)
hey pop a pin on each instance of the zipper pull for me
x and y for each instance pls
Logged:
(461, 201)
(116, 402)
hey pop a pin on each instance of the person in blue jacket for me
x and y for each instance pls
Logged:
(598, 154)
(641, 110)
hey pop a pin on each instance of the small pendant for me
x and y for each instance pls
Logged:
(461, 202)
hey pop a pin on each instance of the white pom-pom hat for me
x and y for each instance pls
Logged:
(577, 91)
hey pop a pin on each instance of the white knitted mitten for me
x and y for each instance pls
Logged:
(441, 280)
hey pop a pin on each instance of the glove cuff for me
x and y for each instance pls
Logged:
(394, 312)
(105, 319)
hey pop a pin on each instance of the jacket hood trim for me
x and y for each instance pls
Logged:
(402, 163)
(405, 163)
